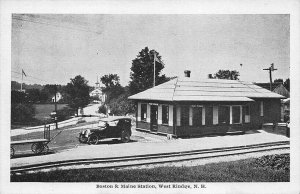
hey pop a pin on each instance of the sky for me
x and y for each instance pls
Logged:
(52, 49)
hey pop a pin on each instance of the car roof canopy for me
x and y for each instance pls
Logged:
(114, 118)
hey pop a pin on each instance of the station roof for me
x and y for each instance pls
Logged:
(187, 89)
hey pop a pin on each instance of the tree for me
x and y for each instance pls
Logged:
(48, 92)
(141, 74)
(278, 81)
(18, 97)
(227, 74)
(102, 109)
(77, 93)
(33, 95)
(110, 80)
(22, 112)
(121, 105)
(113, 88)
(286, 84)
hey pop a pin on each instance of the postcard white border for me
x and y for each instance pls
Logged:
(291, 7)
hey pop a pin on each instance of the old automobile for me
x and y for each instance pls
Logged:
(113, 127)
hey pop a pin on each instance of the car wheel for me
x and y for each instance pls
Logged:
(93, 139)
(125, 136)
(82, 138)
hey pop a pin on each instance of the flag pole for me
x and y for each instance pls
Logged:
(22, 80)
(154, 69)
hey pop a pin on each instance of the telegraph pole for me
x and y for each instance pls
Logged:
(154, 59)
(55, 103)
(270, 69)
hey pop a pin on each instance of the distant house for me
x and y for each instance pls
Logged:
(58, 97)
(192, 107)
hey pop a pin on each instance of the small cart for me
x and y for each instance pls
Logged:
(38, 145)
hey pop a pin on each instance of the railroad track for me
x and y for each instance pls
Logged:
(137, 160)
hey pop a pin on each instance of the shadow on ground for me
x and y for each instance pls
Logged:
(23, 155)
(114, 141)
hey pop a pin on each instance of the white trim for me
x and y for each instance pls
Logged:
(215, 115)
(148, 113)
(190, 116)
(139, 112)
(230, 115)
(178, 115)
(203, 115)
(241, 114)
(159, 116)
(170, 115)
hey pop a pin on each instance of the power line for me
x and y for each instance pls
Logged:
(31, 76)
(49, 24)
(19, 79)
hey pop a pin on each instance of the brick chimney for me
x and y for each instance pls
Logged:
(187, 73)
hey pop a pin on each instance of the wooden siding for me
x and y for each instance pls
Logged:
(271, 112)
(143, 125)
(160, 128)
(189, 131)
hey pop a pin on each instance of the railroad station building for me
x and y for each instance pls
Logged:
(195, 107)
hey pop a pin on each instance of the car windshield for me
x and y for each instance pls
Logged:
(112, 123)
(102, 124)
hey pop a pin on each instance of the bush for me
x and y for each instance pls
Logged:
(102, 109)
(64, 114)
(22, 112)
(277, 162)
(121, 105)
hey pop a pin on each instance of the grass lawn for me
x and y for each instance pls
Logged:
(42, 111)
(248, 170)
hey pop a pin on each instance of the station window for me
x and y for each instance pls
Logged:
(246, 111)
(144, 112)
(208, 115)
(185, 116)
(224, 115)
(165, 114)
(236, 113)
(197, 116)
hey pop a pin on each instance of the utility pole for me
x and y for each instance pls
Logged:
(154, 59)
(23, 73)
(55, 104)
(270, 69)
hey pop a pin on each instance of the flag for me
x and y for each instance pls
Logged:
(24, 73)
